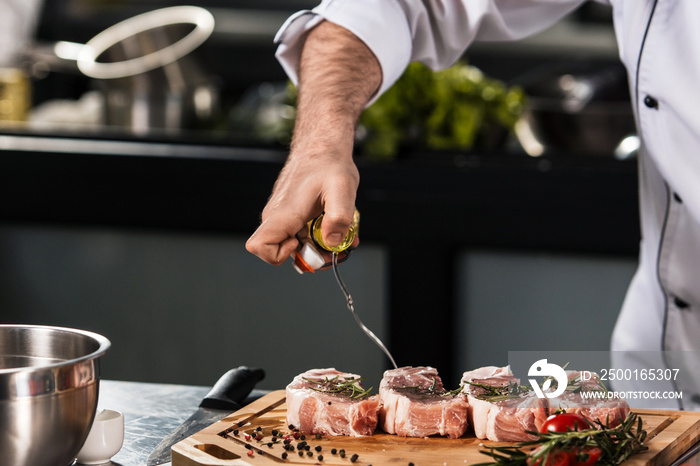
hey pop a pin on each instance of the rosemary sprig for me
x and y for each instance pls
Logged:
(432, 390)
(616, 444)
(350, 387)
(495, 393)
(455, 392)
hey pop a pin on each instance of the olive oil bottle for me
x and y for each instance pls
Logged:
(308, 258)
(315, 233)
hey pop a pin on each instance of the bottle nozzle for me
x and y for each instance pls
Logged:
(308, 259)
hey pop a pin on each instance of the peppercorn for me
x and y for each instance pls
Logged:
(301, 453)
(342, 453)
(274, 432)
(284, 455)
(303, 437)
(249, 446)
(354, 457)
(259, 429)
(309, 454)
(318, 448)
(307, 447)
(320, 457)
(319, 436)
(334, 451)
(235, 431)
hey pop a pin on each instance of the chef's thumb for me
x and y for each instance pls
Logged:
(334, 227)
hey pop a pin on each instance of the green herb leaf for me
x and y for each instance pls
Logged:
(350, 387)
(616, 443)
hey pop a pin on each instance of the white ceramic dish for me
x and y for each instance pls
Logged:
(105, 439)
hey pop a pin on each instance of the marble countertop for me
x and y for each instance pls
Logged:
(151, 411)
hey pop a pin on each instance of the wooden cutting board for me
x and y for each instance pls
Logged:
(669, 435)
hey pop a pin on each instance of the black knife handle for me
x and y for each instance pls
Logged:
(231, 389)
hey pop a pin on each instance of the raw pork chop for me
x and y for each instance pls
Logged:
(327, 401)
(608, 411)
(415, 404)
(499, 409)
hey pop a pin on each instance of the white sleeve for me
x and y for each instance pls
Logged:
(434, 32)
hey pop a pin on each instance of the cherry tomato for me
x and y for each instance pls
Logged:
(557, 459)
(586, 456)
(565, 422)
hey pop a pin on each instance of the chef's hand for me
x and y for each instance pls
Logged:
(307, 186)
(338, 75)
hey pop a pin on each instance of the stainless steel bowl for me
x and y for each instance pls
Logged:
(49, 380)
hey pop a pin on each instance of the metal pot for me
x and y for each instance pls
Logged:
(49, 379)
(576, 108)
(148, 75)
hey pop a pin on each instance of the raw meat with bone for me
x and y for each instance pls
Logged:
(502, 410)
(499, 409)
(415, 404)
(327, 401)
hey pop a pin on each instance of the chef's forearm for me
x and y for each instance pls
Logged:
(338, 75)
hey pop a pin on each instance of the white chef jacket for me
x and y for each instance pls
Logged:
(659, 43)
